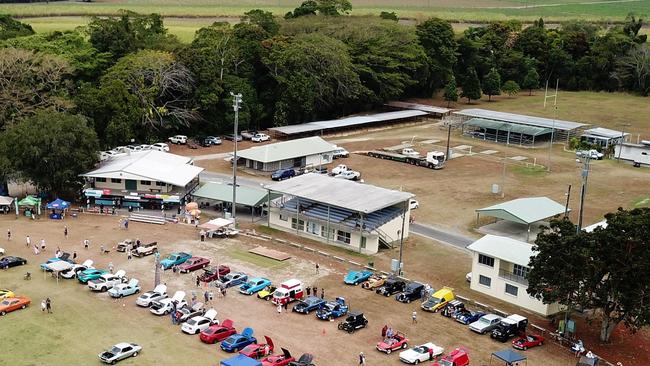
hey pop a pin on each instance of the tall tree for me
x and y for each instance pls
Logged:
(492, 84)
(451, 92)
(511, 88)
(471, 87)
(439, 42)
(531, 80)
(50, 149)
(633, 70)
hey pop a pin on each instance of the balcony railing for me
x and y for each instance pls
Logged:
(508, 275)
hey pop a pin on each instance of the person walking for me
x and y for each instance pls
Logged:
(286, 306)
(308, 291)
(322, 293)
(314, 290)
(8, 234)
(198, 281)
(317, 267)
(48, 305)
(43, 244)
(86, 243)
(28, 241)
(43, 305)
(101, 249)
(65, 231)
(128, 253)
(279, 309)
(110, 267)
(362, 359)
(74, 255)
(206, 297)
(36, 251)
(126, 224)
(414, 317)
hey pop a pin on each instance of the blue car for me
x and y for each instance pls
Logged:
(333, 309)
(254, 285)
(175, 259)
(237, 342)
(468, 317)
(89, 275)
(356, 277)
(312, 303)
(283, 174)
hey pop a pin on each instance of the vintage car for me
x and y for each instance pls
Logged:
(124, 245)
(165, 306)
(254, 285)
(106, 281)
(353, 322)
(13, 303)
(529, 341)
(267, 293)
(438, 300)
(187, 311)
(237, 342)
(4, 294)
(485, 324)
(356, 277)
(412, 292)
(174, 259)
(119, 352)
(332, 309)
(513, 325)
(193, 264)
(158, 293)
(218, 332)
(197, 324)
(390, 344)
(468, 317)
(146, 249)
(391, 287)
(304, 360)
(213, 273)
(421, 353)
(125, 289)
(306, 306)
(90, 274)
(72, 272)
(232, 279)
(11, 261)
(258, 350)
(374, 282)
(453, 308)
(457, 357)
(278, 360)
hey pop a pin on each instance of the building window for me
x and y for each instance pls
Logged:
(283, 217)
(485, 281)
(100, 180)
(313, 228)
(343, 236)
(297, 224)
(511, 290)
(329, 234)
(115, 180)
(484, 259)
(145, 182)
(519, 270)
(161, 184)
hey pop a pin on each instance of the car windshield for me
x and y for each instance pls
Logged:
(231, 340)
(192, 321)
(445, 363)
(115, 350)
(484, 321)
(420, 349)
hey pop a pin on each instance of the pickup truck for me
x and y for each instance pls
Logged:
(339, 169)
(349, 175)
(106, 281)
(340, 153)
(592, 154)
(178, 139)
(146, 249)
(410, 152)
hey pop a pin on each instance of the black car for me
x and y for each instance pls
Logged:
(391, 287)
(412, 292)
(11, 261)
(509, 327)
(304, 360)
(354, 321)
(312, 303)
(452, 308)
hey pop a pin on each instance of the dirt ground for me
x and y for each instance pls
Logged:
(101, 321)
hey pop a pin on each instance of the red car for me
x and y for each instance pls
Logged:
(457, 357)
(213, 273)
(531, 340)
(388, 345)
(13, 303)
(258, 350)
(218, 332)
(278, 360)
(193, 264)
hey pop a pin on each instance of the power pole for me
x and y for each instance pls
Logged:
(554, 96)
(448, 137)
(237, 98)
(568, 197)
(586, 160)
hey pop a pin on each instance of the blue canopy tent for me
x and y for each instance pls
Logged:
(58, 204)
(240, 360)
(509, 356)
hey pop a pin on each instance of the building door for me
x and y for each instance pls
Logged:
(297, 162)
(131, 185)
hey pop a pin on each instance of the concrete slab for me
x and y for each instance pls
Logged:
(430, 141)
(489, 152)
(270, 253)
(518, 158)
(463, 147)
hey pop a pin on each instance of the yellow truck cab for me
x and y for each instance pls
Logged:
(438, 299)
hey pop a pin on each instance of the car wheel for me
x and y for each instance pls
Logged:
(113, 362)
(2, 313)
(196, 331)
(525, 348)
(135, 354)
(307, 312)
(121, 296)
(417, 362)
(408, 301)
(405, 345)
(104, 289)
(541, 343)
(388, 351)
(351, 330)
(24, 306)
(340, 325)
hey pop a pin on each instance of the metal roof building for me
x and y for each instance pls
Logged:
(511, 250)
(246, 196)
(321, 127)
(603, 136)
(431, 109)
(310, 151)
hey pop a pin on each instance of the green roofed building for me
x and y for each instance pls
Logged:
(249, 197)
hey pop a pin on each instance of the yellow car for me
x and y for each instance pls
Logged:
(267, 293)
(374, 282)
(5, 294)
(438, 299)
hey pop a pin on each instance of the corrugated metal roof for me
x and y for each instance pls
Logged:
(604, 132)
(287, 150)
(223, 192)
(148, 165)
(524, 210)
(501, 247)
(521, 119)
(506, 126)
(341, 193)
(347, 122)
(418, 107)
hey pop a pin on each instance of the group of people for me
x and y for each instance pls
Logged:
(46, 305)
(578, 349)
(314, 290)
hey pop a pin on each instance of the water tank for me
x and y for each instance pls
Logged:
(496, 188)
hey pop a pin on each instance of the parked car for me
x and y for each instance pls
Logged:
(311, 303)
(339, 169)
(356, 277)
(254, 285)
(304, 360)
(11, 261)
(247, 135)
(457, 357)
(438, 299)
(13, 303)
(231, 137)
(258, 350)
(165, 306)
(340, 153)
(187, 312)
(267, 293)
(218, 332)
(332, 309)
(413, 291)
(175, 259)
(529, 341)
(392, 286)
(146, 249)
(414, 204)
(210, 141)
(158, 293)
(375, 281)
(213, 273)
(421, 353)
(197, 324)
(124, 245)
(90, 274)
(193, 264)
(119, 352)
(72, 272)
(353, 322)
(125, 289)
(278, 360)
(232, 279)
(349, 175)
(160, 146)
(410, 152)
(282, 174)
(236, 342)
(592, 154)
(106, 281)
(5, 294)
(509, 327)
(260, 137)
(390, 344)
(452, 308)
(178, 139)
(485, 324)
(289, 291)
(468, 317)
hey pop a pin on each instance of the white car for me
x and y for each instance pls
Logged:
(485, 324)
(158, 293)
(200, 323)
(160, 146)
(340, 153)
(421, 353)
(410, 152)
(413, 204)
(164, 306)
(119, 352)
(105, 155)
(106, 281)
(349, 175)
(2, 251)
(178, 139)
(259, 137)
(72, 272)
(339, 169)
(592, 154)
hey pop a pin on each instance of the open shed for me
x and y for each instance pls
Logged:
(240, 360)
(510, 357)
(249, 197)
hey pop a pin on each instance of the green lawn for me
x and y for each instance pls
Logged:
(256, 259)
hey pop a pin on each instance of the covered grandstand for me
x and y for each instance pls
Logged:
(336, 125)
(430, 109)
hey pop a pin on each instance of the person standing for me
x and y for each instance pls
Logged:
(28, 241)
(43, 244)
(74, 255)
(8, 234)
(314, 290)
(198, 281)
(286, 306)
(206, 297)
(414, 317)
(48, 305)
(384, 330)
(317, 267)
(308, 291)
(279, 309)
(322, 293)
(362, 359)
(43, 305)
(65, 231)
(86, 243)
(128, 253)
(110, 267)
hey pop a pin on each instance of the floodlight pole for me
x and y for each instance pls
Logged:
(237, 98)
(554, 96)
(586, 160)
(448, 137)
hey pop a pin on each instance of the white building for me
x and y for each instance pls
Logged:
(499, 269)
(307, 152)
(351, 215)
(142, 179)
(636, 153)
(603, 136)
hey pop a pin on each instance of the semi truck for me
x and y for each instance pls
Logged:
(433, 159)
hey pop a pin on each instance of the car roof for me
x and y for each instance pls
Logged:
(123, 344)
(491, 316)
(516, 317)
(442, 292)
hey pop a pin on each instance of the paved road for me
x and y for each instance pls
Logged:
(441, 235)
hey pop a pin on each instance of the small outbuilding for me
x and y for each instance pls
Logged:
(603, 136)
(252, 199)
(509, 356)
(300, 153)
(639, 154)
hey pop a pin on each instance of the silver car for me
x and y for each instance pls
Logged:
(485, 324)
(119, 352)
